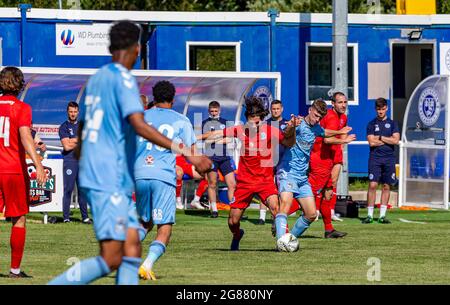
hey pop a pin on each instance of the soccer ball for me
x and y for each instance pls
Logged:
(287, 243)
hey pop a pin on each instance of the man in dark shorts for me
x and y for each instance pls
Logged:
(220, 155)
(383, 134)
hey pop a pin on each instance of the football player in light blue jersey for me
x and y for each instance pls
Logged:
(113, 114)
(292, 173)
(155, 173)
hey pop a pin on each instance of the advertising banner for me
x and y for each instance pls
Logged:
(48, 197)
(82, 39)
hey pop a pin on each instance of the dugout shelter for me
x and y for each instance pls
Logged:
(424, 151)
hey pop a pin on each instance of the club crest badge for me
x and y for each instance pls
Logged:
(429, 106)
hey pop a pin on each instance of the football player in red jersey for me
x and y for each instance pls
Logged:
(255, 174)
(326, 161)
(15, 140)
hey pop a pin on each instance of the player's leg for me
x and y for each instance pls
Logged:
(227, 169)
(15, 193)
(69, 179)
(388, 179)
(335, 173)
(127, 274)
(156, 250)
(17, 243)
(243, 196)
(163, 215)
(201, 188)
(374, 177)
(212, 189)
(318, 179)
(308, 205)
(325, 209)
(179, 185)
(81, 200)
(110, 213)
(262, 214)
(234, 224)
(281, 218)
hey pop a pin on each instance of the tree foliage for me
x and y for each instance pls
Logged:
(303, 6)
(320, 6)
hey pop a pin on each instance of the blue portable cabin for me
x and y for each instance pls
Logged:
(388, 54)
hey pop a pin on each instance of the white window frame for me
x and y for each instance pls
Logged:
(236, 44)
(355, 100)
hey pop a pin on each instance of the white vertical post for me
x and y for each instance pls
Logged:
(340, 73)
(401, 179)
(447, 148)
(45, 218)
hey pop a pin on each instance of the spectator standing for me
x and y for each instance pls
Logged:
(382, 134)
(68, 133)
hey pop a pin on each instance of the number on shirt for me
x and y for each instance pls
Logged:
(94, 120)
(4, 130)
(166, 130)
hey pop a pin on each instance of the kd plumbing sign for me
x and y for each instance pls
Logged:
(82, 39)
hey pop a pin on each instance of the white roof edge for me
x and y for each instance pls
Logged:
(9, 12)
(157, 16)
(160, 73)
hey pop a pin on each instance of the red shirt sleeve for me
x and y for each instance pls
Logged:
(24, 118)
(231, 131)
(276, 134)
(331, 123)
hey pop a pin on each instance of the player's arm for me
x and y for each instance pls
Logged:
(336, 141)
(28, 144)
(39, 144)
(69, 143)
(332, 133)
(392, 140)
(212, 136)
(289, 132)
(146, 131)
(374, 141)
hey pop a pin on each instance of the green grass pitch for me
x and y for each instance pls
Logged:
(409, 253)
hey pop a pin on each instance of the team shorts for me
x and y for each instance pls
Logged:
(113, 214)
(185, 166)
(14, 194)
(155, 201)
(225, 165)
(338, 157)
(245, 191)
(319, 176)
(295, 184)
(382, 170)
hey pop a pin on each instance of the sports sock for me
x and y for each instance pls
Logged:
(83, 272)
(325, 211)
(178, 187)
(300, 226)
(333, 200)
(142, 232)
(262, 214)
(213, 206)
(196, 198)
(383, 209)
(17, 243)
(370, 211)
(280, 224)
(235, 230)
(155, 251)
(202, 186)
(127, 274)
